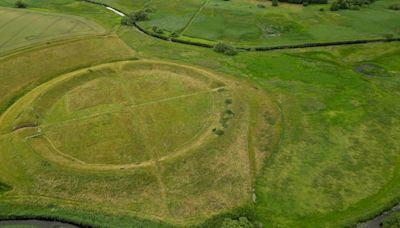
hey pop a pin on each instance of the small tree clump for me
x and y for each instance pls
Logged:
(242, 222)
(134, 17)
(20, 4)
(274, 2)
(349, 4)
(395, 6)
(157, 30)
(225, 49)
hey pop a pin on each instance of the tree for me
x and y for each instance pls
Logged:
(20, 4)
(225, 49)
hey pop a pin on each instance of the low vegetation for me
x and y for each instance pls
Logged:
(225, 49)
(349, 4)
(394, 7)
(20, 4)
(392, 221)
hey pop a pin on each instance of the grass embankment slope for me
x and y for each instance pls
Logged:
(337, 161)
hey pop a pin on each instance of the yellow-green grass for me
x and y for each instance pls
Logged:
(146, 147)
(20, 28)
(22, 71)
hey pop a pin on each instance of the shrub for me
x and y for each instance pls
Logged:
(274, 2)
(218, 132)
(306, 1)
(134, 17)
(225, 49)
(392, 220)
(157, 30)
(242, 222)
(395, 6)
(20, 4)
(349, 4)
(260, 6)
(127, 21)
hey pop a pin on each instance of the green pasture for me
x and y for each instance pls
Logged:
(243, 23)
(20, 28)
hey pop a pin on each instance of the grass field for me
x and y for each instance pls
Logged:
(243, 23)
(122, 130)
(165, 140)
(21, 28)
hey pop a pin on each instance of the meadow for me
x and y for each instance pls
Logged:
(244, 23)
(119, 129)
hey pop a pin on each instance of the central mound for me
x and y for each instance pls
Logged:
(127, 113)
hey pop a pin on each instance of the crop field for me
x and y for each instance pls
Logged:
(19, 29)
(104, 125)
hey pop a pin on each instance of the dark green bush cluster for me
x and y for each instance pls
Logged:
(395, 6)
(305, 2)
(349, 4)
(392, 221)
(20, 4)
(225, 49)
(157, 30)
(4, 188)
(134, 17)
(241, 222)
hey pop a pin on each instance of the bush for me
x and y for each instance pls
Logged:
(134, 17)
(274, 2)
(242, 222)
(392, 220)
(218, 132)
(349, 4)
(225, 49)
(157, 30)
(127, 21)
(306, 1)
(395, 6)
(20, 4)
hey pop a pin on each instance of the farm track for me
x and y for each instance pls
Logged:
(194, 17)
(255, 49)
